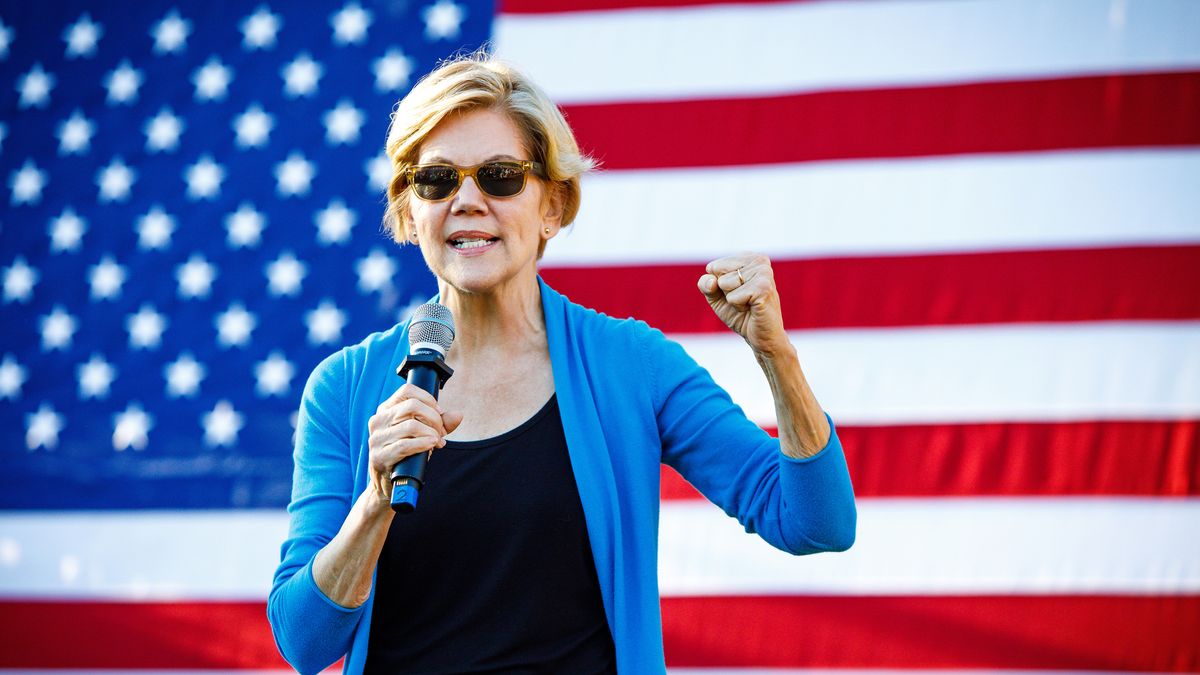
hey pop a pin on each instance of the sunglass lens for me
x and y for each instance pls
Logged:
(435, 182)
(501, 179)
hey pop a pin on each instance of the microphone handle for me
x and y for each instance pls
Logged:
(409, 473)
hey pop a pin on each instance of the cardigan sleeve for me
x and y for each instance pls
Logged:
(797, 505)
(310, 629)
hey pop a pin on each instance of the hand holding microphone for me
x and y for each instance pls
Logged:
(409, 424)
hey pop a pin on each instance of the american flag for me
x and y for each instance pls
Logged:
(984, 217)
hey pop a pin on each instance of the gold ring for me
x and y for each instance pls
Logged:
(740, 279)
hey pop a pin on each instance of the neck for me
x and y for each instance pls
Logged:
(506, 318)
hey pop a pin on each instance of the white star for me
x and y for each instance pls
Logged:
(145, 328)
(12, 377)
(212, 80)
(204, 178)
(253, 127)
(285, 274)
(301, 76)
(325, 323)
(154, 229)
(350, 24)
(442, 20)
(115, 181)
(342, 123)
(379, 172)
(35, 87)
(75, 134)
(392, 71)
(162, 131)
(259, 29)
(131, 428)
(6, 38)
(294, 175)
(106, 279)
(81, 37)
(171, 34)
(195, 277)
(183, 376)
(42, 427)
(66, 231)
(274, 375)
(234, 326)
(334, 223)
(19, 280)
(57, 328)
(27, 183)
(245, 227)
(95, 377)
(122, 83)
(375, 271)
(221, 425)
(407, 311)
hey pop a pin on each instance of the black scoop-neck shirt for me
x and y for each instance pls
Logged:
(493, 572)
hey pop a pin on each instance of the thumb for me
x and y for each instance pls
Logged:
(451, 420)
(708, 286)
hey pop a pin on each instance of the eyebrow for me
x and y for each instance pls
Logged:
(438, 159)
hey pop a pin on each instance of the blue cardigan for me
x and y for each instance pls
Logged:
(629, 399)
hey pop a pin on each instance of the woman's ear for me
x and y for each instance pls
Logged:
(552, 206)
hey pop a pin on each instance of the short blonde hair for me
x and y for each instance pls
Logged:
(474, 82)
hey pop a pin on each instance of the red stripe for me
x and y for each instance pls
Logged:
(1157, 109)
(1131, 283)
(1145, 458)
(233, 635)
(562, 6)
(1074, 632)
(1131, 633)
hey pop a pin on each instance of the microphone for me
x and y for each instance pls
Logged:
(429, 336)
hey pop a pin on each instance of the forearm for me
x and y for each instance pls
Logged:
(343, 569)
(803, 427)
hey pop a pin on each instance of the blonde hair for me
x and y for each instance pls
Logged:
(474, 82)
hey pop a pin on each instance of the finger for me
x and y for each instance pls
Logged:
(412, 428)
(407, 391)
(729, 263)
(451, 420)
(707, 283)
(390, 454)
(742, 296)
(412, 409)
(731, 280)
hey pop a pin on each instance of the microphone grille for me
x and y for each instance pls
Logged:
(432, 323)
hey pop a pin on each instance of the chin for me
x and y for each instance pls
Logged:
(477, 279)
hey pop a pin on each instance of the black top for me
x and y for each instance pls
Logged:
(493, 572)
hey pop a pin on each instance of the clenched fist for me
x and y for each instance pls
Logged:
(741, 290)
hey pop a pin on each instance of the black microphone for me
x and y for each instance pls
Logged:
(429, 336)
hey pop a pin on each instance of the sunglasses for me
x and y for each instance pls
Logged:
(439, 182)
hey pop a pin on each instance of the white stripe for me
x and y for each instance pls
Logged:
(948, 546)
(926, 546)
(969, 203)
(140, 554)
(1030, 372)
(770, 48)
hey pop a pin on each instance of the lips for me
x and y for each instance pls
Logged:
(469, 239)
(471, 242)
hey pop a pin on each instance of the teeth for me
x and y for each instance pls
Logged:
(471, 243)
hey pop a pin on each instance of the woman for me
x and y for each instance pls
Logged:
(534, 545)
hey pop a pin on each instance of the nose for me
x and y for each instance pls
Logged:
(469, 199)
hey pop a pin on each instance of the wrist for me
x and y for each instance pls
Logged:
(375, 506)
(773, 352)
